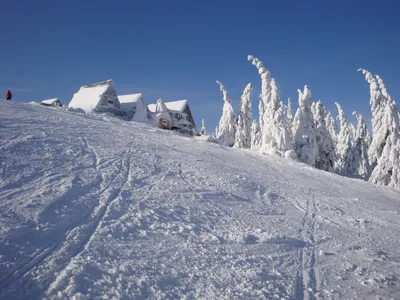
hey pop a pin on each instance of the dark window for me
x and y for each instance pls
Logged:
(110, 101)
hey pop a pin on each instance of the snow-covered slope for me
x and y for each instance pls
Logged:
(98, 208)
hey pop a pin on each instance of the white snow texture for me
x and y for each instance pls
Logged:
(93, 207)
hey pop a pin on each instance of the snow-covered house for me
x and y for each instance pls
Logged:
(52, 102)
(97, 97)
(181, 116)
(134, 107)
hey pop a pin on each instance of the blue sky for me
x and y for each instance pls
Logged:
(178, 49)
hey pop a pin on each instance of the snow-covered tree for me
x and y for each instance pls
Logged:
(227, 123)
(255, 135)
(360, 148)
(305, 141)
(203, 130)
(274, 131)
(326, 145)
(260, 114)
(289, 118)
(344, 162)
(243, 130)
(384, 152)
(163, 118)
(332, 127)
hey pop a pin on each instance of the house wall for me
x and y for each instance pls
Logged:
(189, 115)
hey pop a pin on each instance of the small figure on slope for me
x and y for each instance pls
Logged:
(8, 95)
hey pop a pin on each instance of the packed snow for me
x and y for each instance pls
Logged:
(92, 207)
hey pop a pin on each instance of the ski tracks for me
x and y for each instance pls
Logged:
(307, 273)
(108, 196)
(76, 238)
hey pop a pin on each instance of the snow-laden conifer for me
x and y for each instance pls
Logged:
(203, 130)
(227, 124)
(326, 145)
(274, 131)
(344, 144)
(384, 152)
(305, 141)
(255, 135)
(163, 117)
(332, 127)
(243, 130)
(362, 141)
(289, 119)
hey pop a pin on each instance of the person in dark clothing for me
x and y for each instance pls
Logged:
(9, 95)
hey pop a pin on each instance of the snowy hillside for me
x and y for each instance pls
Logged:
(93, 207)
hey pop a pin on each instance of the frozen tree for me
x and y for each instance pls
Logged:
(360, 148)
(332, 127)
(243, 130)
(289, 118)
(163, 118)
(275, 137)
(305, 143)
(261, 114)
(344, 162)
(203, 130)
(255, 135)
(384, 152)
(313, 108)
(227, 124)
(326, 145)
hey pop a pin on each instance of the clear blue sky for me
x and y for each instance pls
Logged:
(178, 49)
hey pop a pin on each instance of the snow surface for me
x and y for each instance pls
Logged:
(173, 106)
(98, 208)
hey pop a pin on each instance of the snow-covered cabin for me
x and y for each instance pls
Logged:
(97, 97)
(52, 102)
(134, 107)
(181, 116)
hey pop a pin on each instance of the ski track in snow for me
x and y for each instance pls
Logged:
(92, 207)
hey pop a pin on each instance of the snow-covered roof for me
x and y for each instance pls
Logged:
(132, 98)
(50, 101)
(89, 96)
(173, 106)
(128, 102)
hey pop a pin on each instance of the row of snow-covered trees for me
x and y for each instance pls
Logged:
(312, 135)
